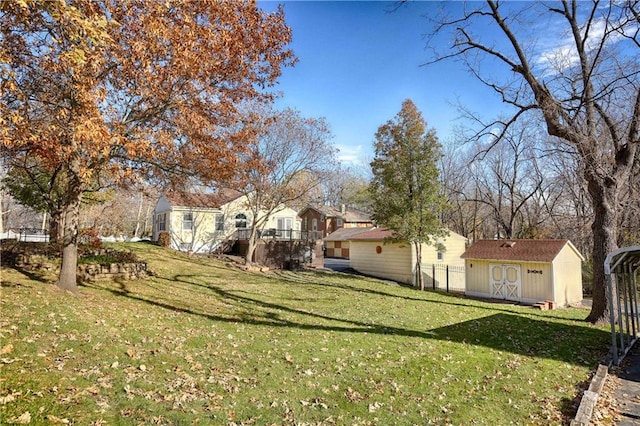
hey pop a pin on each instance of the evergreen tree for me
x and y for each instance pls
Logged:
(405, 191)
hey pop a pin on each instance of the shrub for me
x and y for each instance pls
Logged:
(164, 239)
(89, 238)
(109, 256)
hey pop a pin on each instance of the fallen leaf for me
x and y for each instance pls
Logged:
(23, 419)
(57, 420)
(9, 398)
(6, 349)
(375, 406)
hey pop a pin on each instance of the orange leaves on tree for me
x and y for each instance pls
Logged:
(99, 90)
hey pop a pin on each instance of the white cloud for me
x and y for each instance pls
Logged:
(352, 154)
(561, 52)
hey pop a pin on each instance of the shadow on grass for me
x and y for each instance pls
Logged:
(529, 337)
(502, 331)
(43, 277)
(455, 299)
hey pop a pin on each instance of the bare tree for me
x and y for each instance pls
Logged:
(568, 205)
(498, 192)
(630, 211)
(119, 211)
(587, 90)
(506, 182)
(348, 186)
(466, 216)
(288, 160)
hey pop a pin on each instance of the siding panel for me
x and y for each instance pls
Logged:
(568, 277)
(393, 262)
(477, 282)
(537, 281)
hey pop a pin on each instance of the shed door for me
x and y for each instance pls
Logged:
(505, 281)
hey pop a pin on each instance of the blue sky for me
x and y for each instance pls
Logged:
(359, 60)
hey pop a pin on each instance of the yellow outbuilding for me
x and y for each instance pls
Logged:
(525, 271)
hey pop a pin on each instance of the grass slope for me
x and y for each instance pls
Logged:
(199, 342)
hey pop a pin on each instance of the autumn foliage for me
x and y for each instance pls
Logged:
(103, 92)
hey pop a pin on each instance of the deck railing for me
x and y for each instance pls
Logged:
(280, 234)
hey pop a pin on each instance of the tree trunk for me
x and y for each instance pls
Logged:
(1, 212)
(68, 270)
(419, 277)
(604, 196)
(137, 228)
(146, 221)
(56, 226)
(251, 248)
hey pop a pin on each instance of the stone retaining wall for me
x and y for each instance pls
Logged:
(126, 271)
(86, 271)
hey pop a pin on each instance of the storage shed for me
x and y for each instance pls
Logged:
(371, 254)
(527, 271)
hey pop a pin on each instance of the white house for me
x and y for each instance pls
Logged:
(371, 254)
(200, 223)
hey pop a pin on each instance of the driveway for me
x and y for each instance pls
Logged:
(338, 265)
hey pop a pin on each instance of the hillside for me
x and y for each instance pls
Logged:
(201, 342)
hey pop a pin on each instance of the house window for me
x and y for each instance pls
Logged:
(219, 222)
(440, 249)
(187, 221)
(314, 224)
(284, 226)
(340, 222)
(241, 220)
(161, 222)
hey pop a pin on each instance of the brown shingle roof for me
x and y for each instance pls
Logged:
(374, 234)
(516, 250)
(195, 200)
(344, 234)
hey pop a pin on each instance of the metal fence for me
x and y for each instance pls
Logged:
(280, 234)
(622, 271)
(447, 278)
(26, 234)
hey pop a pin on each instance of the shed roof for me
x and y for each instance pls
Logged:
(374, 234)
(344, 234)
(518, 250)
(198, 200)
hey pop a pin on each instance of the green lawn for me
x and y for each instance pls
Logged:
(199, 342)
